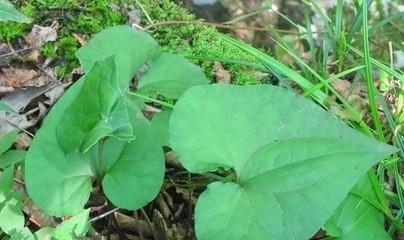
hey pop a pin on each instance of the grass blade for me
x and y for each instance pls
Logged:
(357, 21)
(276, 66)
(368, 74)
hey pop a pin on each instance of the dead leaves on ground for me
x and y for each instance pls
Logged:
(27, 83)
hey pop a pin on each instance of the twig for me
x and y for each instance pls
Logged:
(147, 219)
(139, 230)
(104, 215)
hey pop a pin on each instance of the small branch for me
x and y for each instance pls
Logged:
(150, 99)
(104, 215)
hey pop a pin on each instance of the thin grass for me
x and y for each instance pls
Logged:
(366, 129)
(378, 64)
(385, 21)
(356, 25)
(333, 78)
(310, 37)
(248, 15)
(276, 66)
(368, 75)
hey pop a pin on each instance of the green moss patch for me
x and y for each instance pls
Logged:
(89, 17)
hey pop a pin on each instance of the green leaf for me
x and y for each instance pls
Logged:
(101, 109)
(286, 152)
(67, 176)
(4, 106)
(75, 227)
(130, 47)
(11, 157)
(9, 13)
(134, 170)
(6, 183)
(160, 124)
(12, 220)
(7, 141)
(67, 172)
(356, 217)
(43, 233)
(170, 75)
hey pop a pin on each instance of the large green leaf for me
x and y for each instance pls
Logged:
(294, 162)
(134, 171)
(356, 217)
(9, 13)
(59, 176)
(170, 75)
(58, 182)
(130, 47)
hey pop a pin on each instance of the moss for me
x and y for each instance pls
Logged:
(89, 17)
(97, 17)
(10, 30)
(48, 51)
(67, 47)
(194, 40)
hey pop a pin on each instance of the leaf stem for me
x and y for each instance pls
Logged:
(150, 99)
(100, 169)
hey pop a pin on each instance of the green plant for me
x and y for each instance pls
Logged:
(112, 141)
(11, 216)
(289, 177)
(357, 56)
(286, 179)
(48, 51)
(12, 219)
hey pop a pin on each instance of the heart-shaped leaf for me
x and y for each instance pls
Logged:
(134, 171)
(170, 75)
(286, 152)
(130, 47)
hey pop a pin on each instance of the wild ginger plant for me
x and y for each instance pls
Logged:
(293, 162)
